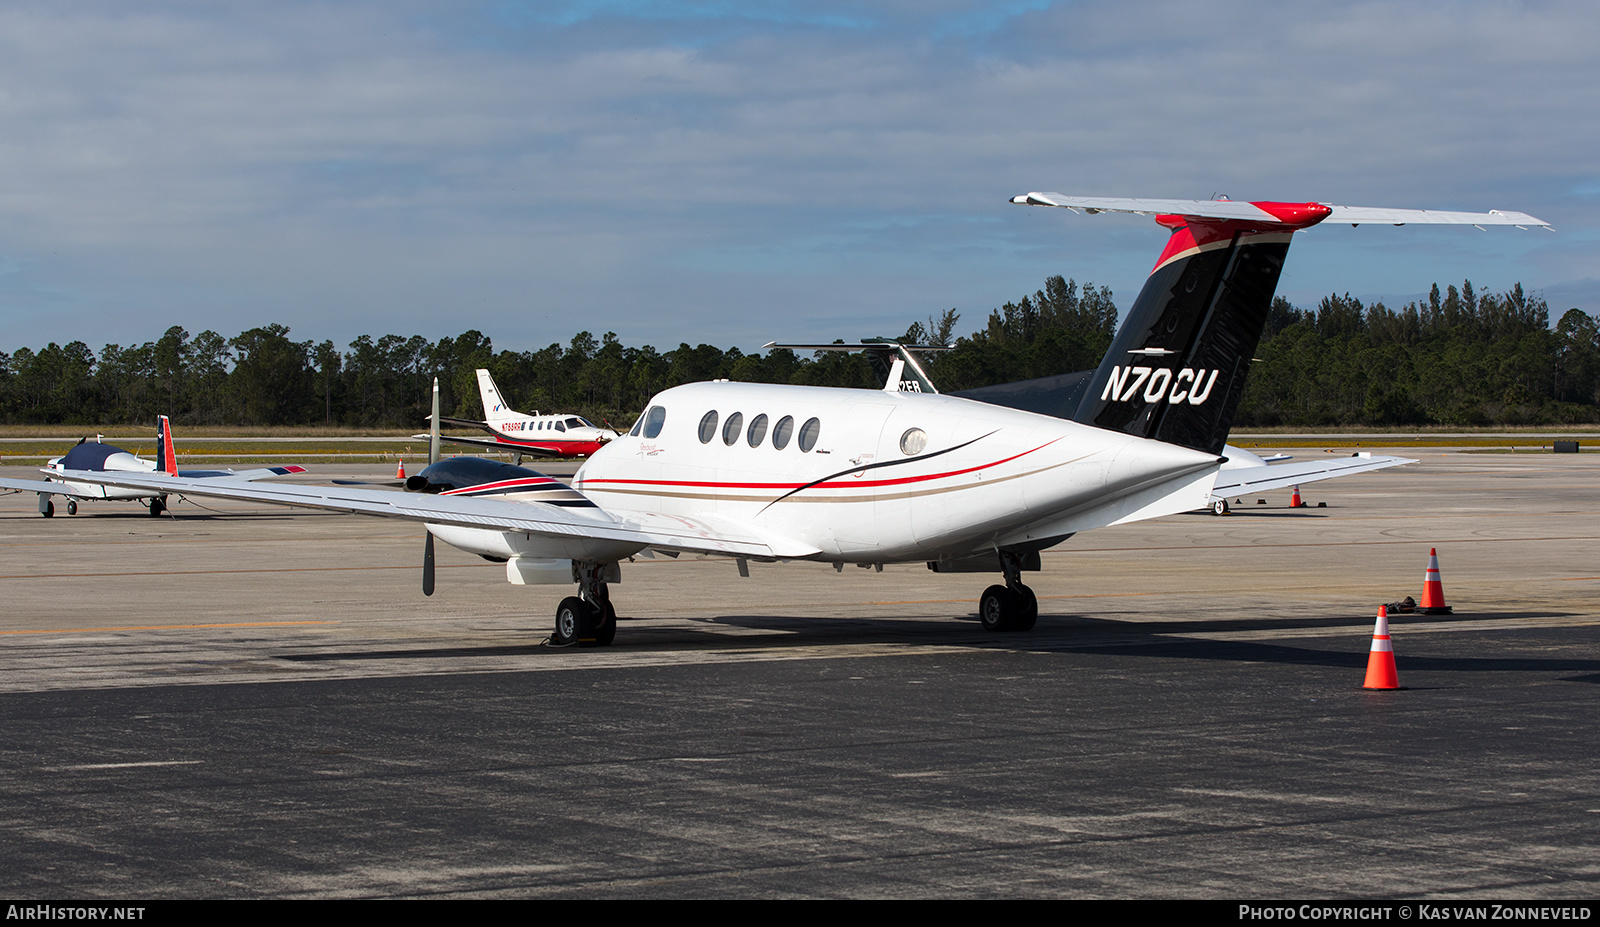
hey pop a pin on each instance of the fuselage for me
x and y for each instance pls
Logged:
(562, 435)
(92, 455)
(872, 476)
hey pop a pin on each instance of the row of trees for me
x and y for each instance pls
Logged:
(1459, 358)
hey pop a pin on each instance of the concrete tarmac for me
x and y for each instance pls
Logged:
(257, 702)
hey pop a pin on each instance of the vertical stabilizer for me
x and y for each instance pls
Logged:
(494, 407)
(1176, 370)
(166, 456)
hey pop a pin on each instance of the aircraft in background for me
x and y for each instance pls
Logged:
(94, 456)
(1060, 397)
(776, 472)
(555, 435)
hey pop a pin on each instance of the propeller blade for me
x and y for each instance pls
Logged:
(433, 434)
(427, 565)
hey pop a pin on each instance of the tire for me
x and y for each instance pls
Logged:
(48, 509)
(1027, 610)
(606, 630)
(72, 506)
(995, 609)
(1219, 507)
(157, 506)
(570, 618)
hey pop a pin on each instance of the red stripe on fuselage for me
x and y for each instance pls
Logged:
(828, 484)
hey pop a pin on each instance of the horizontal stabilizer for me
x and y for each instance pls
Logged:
(1282, 476)
(1274, 213)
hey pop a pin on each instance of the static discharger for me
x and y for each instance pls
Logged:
(1381, 673)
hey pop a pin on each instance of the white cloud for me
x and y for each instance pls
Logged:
(697, 172)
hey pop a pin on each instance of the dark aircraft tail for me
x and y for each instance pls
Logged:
(1176, 369)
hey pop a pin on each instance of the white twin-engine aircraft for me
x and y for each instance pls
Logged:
(767, 472)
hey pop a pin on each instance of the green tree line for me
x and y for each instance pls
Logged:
(1459, 358)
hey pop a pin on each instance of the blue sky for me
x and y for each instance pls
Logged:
(736, 173)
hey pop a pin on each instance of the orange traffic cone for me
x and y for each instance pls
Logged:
(1433, 589)
(400, 471)
(1294, 500)
(1380, 661)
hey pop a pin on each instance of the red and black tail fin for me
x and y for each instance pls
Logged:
(1176, 369)
(166, 457)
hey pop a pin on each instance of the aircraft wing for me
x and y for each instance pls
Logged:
(1231, 209)
(49, 486)
(1279, 476)
(538, 450)
(706, 536)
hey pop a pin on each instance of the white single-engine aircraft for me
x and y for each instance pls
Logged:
(106, 458)
(556, 435)
(774, 472)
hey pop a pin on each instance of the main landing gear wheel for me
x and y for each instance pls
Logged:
(1027, 609)
(157, 506)
(1219, 507)
(570, 616)
(578, 622)
(72, 506)
(47, 506)
(606, 631)
(1004, 609)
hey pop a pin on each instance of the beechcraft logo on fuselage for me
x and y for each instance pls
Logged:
(1160, 383)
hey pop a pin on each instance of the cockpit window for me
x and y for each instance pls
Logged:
(730, 431)
(653, 420)
(808, 434)
(758, 430)
(576, 423)
(561, 426)
(637, 424)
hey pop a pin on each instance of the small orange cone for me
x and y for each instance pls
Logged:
(400, 471)
(1294, 500)
(1433, 589)
(1380, 661)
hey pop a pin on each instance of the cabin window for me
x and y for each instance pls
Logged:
(758, 430)
(708, 427)
(913, 442)
(808, 434)
(782, 432)
(730, 431)
(653, 420)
